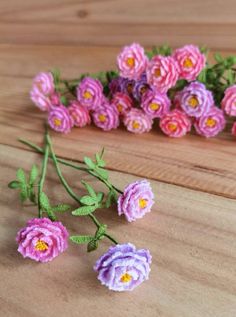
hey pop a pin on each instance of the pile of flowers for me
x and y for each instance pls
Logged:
(178, 88)
(122, 267)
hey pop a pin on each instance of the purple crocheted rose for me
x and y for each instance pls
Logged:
(155, 104)
(106, 116)
(42, 240)
(140, 87)
(60, 120)
(79, 114)
(228, 103)
(137, 121)
(90, 93)
(122, 267)
(210, 123)
(136, 200)
(196, 99)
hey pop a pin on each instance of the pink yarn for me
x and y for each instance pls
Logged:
(106, 116)
(137, 121)
(90, 93)
(60, 120)
(228, 103)
(122, 102)
(79, 114)
(175, 123)
(155, 104)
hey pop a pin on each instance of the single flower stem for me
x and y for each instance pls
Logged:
(111, 238)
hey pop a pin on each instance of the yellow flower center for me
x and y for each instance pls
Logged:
(125, 278)
(154, 106)
(193, 102)
(87, 95)
(57, 122)
(130, 62)
(157, 72)
(102, 117)
(142, 203)
(135, 125)
(119, 108)
(210, 122)
(41, 246)
(188, 63)
(172, 126)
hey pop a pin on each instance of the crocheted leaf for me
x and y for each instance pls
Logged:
(90, 190)
(102, 172)
(100, 196)
(44, 202)
(83, 211)
(100, 232)
(14, 185)
(21, 176)
(61, 208)
(92, 245)
(81, 239)
(89, 162)
(51, 215)
(33, 174)
(87, 200)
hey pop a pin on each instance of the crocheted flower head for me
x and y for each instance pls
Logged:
(122, 102)
(132, 61)
(122, 267)
(190, 61)
(140, 87)
(228, 103)
(210, 123)
(195, 99)
(106, 116)
(136, 200)
(79, 114)
(42, 240)
(60, 120)
(162, 72)
(175, 124)
(155, 104)
(137, 121)
(90, 93)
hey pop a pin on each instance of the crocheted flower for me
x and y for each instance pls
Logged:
(155, 104)
(122, 267)
(132, 61)
(137, 121)
(90, 93)
(228, 103)
(42, 240)
(190, 60)
(210, 123)
(140, 87)
(60, 120)
(162, 72)
(79, 114)
(136, 200)
(196, 100)
(233, 131)
(122, 102)
(106, 116)
(175, 123)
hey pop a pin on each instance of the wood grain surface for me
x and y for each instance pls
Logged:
(191, 231)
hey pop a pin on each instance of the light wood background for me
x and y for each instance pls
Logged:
(192, 229)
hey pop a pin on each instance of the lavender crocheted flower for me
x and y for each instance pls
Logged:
(79, 114)
(155, 104)
(106, 116)
(137, 121)
(140, 87)
(60, 120)
(122, 267)
(196, 99)
(42, 240)
(90, 93)
(210, 123)
(136, 200)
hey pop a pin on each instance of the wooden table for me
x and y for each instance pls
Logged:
(192, 229)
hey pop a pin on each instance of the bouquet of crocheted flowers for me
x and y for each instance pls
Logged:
(180, 89)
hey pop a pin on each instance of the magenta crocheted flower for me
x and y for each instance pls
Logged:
(137, 121)
(175, 123)
(196, 100)
(228, 103)
(136, 200)
(162, 72)
(79, 114)
(122, 102)
(190, 60)
(155, 104)
(42, 240)
(90, 93)
(106, 116)
(132, 61)
(60, 120)
(233, 131)
(122, 267)
(210, 123)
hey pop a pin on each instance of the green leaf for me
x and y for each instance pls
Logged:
(89, 162)
(218, 57)
(87, 200)
(33, 174)
(90, 189)
(101, 231)
(21, 176)
(23, 194)
(102, 172)
(44, 201)
(112, 196)
(84, 210)
(31, 195)
(230, 77)
(81, 239)
(14, 185)
(61, 208)
(100, 196)
(56, 76)
(51, 214)
(202, 76)
(64, 100)
(92, 245)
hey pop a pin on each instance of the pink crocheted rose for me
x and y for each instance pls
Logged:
(79, 114)
(106, 116)
(60, 120)
(162, 72)
(228, 103)
(234, 129)
(137, 121)
(175, 123)
(42, 240)
(155, 104)
(132, 61)
(90, 93)
(210, 123)
(190, 60)
(136, 200)
(122, 102)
